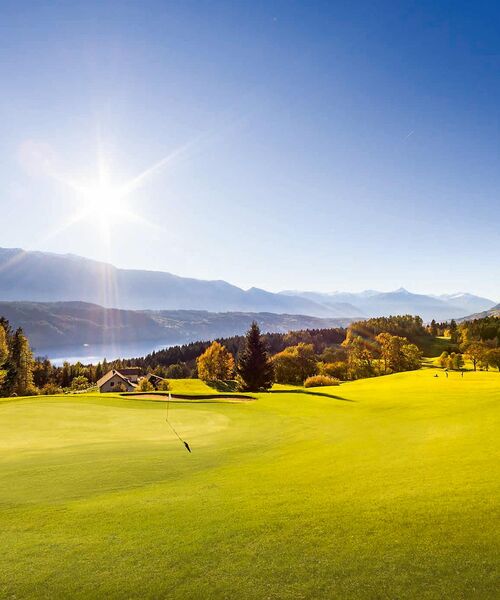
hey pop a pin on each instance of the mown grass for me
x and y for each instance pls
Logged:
(387, 490)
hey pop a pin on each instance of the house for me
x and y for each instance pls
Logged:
(131, 373)
(117, 381)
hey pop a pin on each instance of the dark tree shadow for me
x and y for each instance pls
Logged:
(324, 394)
(223, 386)
(175, 397)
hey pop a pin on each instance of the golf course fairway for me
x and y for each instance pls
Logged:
(379, 488)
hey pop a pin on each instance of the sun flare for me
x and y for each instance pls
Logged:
(102, 200)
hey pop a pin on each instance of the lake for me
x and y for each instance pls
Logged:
(94, 353)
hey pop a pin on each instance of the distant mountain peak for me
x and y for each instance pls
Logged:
(48, 277)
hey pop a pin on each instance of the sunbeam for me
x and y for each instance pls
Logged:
(103, 201)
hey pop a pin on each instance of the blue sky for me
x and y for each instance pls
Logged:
(312, 145)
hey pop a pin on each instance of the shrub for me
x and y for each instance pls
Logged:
(49, 389)
(144, 386)
(320, 380)
(337, 370)
(443, 359)
(164, 385)
(79, 383)
(31, 390)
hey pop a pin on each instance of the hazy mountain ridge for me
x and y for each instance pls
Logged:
(59, 324)
(48, 277)
(371, 303)
(465, 300)
(492, 312)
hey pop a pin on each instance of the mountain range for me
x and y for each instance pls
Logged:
(371, 303)
(32, 276)
(47, 277)
(492, 312)
(53, 325)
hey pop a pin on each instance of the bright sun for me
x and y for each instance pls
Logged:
(102, 204)
(103, 201)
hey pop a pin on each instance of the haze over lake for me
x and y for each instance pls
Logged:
(94, 353)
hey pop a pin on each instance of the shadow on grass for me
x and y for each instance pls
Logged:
(190, 398)
(324, 394)
(223, 386)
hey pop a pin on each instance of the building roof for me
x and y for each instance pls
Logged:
(111, 374)
(130, 371)
(153, 377)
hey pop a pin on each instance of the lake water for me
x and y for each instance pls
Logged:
(94, 353)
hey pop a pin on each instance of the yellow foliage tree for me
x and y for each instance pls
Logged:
(295, 364)
(144, 386)
(215, 364)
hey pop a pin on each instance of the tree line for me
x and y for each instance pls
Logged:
(367, 348)
(477, 340)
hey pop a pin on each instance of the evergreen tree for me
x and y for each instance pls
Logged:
(7, 328)
(255, 371)
(433, 328)
(4, 347)
(21, 365)
(4, 355)
(98, 372)
(43, 372)
(457, 362)
(66, 377)
(453, 331)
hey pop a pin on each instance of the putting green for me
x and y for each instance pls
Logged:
(381, 488)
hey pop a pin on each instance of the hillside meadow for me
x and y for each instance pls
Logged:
(378, 488)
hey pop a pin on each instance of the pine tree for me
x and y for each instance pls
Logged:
(255, 371)
(453, 331)
(4, 355)
(433, 328)
(7, 328)
(65, 379)
(4, 348)
(98, 372)
(21, 364)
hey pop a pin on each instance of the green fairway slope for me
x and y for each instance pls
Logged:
(380, 488)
